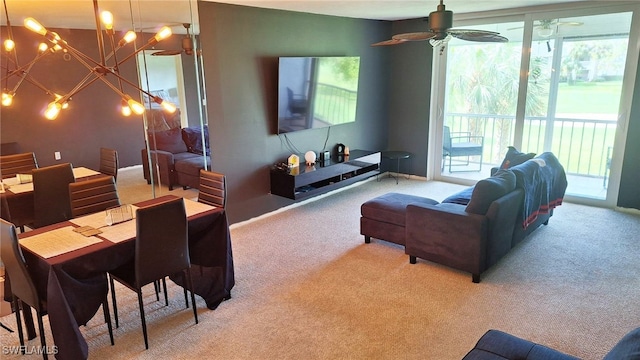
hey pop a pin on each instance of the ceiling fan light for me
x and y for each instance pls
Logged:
(545, 32)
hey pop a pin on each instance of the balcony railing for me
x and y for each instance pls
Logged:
(583, 146)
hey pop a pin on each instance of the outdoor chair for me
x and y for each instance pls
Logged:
(459, 144)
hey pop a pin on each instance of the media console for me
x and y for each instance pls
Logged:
(306, 181)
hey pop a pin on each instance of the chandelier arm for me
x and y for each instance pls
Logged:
(137, 87)
(10, 31)
(99, 33)
(151, 42)
(23, 75)
(28, 78)
(26, 66)
(85, 82)
(115, 59)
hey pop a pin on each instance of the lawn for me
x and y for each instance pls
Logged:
(589, 97)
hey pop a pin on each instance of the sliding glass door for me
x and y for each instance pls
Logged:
(562, 84)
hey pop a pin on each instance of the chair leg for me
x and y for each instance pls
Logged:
(156, 287)
(107, 319)
(193, 297)
(142, 318)
(113, 300)
(164, 287)
(16, 306)
(43, 342)
(184, 281)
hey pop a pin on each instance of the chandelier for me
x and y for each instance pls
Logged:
(106, 69)
(13, 68)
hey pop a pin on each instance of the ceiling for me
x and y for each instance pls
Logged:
(149, 14)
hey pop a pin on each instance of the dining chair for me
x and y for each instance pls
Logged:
(23, 289)
(22, 163)
(161, 249)
(51, 194)
(93, 195)
(109, 162)
(213, 188)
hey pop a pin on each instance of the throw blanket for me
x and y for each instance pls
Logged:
(544, 182)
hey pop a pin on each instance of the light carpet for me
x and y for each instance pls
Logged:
(308, 287)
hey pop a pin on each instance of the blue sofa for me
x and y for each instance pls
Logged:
(498, 345)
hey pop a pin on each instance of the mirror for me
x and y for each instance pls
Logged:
(93, 119)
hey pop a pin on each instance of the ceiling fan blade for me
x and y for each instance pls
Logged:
(570, 23)
(389, 42)
(477, 35)
(415, 36)
(166, 52)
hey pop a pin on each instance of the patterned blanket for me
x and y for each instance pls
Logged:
(544, 182)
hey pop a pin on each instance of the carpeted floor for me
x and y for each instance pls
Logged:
(311, 289)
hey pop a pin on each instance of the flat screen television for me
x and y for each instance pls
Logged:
(316, 92)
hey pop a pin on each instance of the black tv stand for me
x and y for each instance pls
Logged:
(307, 181)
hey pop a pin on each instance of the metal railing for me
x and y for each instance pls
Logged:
(334, 105)
(583, 146)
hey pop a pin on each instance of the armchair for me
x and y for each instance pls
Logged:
(456, 144)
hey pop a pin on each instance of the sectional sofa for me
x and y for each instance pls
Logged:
(473, 229)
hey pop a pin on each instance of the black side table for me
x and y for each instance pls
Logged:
(397, 156)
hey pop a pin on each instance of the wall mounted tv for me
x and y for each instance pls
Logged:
(316, 92)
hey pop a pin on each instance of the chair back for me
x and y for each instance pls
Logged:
(446, 141)
(51, 194)
(213, 188)
(93, 195)
(161, 241)
(23, 163)
(22, 285)
(109, 162)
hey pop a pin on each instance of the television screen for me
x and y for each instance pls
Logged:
(316, 92)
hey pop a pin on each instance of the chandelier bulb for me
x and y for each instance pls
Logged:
(9, 45)
(7, 98)
(33, 25)
(164, 33)
(53, 110)
(107, 20)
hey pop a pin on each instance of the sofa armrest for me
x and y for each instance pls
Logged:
(498, 345)
(164, 161)
(447, 235)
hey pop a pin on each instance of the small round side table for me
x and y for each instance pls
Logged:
(397, 156)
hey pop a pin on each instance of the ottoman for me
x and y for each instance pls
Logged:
(384, 216)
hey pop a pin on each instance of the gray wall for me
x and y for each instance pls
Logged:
(410, 97)
(241, 46)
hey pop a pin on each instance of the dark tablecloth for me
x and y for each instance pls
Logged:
(75, 284)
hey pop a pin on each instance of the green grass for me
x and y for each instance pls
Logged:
(589, 97)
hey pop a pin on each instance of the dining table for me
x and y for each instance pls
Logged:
(16, 195)
(70, 269)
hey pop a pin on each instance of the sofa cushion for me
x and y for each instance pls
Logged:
(462, 197)
(168, 140)
(490, 189)
(627, 348)
(515, 157)
(192, 137)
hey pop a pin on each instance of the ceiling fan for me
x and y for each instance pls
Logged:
(440, 23)
(187, 45)
(545, 27)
